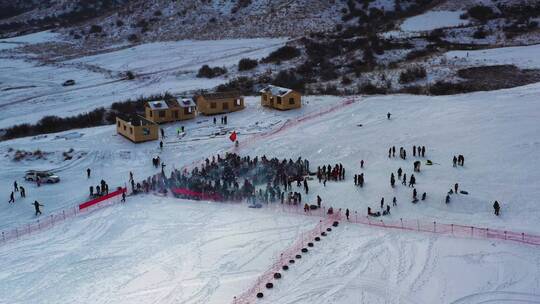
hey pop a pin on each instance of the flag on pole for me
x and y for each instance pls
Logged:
(233, 136)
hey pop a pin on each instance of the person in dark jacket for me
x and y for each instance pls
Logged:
(23, 191)
(12, 198)
(347, 214)
(36, 206)
(88, 171)
(496, 207)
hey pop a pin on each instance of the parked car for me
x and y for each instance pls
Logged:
(69, 82)
(44, 176)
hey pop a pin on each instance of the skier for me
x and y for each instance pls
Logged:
(394, 202)
(454, 161)
(88, 171)
(161, 145)
(424, 196)
(388, 115)
(346, 213)
(456, 186)
(23, 191)
(12, 198)
(399, 172)
(497, 207)
(15, 186)
(362, 164)
(36, 206)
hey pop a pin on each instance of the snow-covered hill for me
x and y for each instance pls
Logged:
(165, 250)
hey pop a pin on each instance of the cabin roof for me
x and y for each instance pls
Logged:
(221, 95)
(276, 91)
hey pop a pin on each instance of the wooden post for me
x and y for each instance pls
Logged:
(435, 227)
(401, 219)
(472, 231)
(505, 235)
(452, 227)
(523, 236)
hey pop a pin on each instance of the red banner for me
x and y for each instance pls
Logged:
(101, 198)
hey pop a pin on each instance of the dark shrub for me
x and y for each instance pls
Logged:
(95, 29)
(247, 64)
(480, 33)
(412, 74)
(241, 84)
(289, 79)
(282, 54)
(481, 13)
(207, 72)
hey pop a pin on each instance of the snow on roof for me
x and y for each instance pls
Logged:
(187, 102)
(276, 91)
(158, 105)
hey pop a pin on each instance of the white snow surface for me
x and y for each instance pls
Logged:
(525, 57)
(164, 250)
(39, 37)
(433, 20)
(160, 67)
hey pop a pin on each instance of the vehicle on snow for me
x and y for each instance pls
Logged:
(44, 176)
(69, 82)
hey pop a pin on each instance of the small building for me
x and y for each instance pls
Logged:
(219, 103)
(162, 111)
(136, 128)
(280, 98)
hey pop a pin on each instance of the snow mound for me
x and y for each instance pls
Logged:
(433, 20)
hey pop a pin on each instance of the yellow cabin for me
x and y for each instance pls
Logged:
(136, 128)
(220, 103)
(162, 111)
(280, 98)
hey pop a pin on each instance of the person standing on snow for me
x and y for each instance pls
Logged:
(347, 214)
(88, 171)
(448, 198)
(382, 202)
(319, 201)
(388, 115)
(394, 202)
(12, 198)
(496, 207)
(454, 161)
(36, 206)
(23, 191)
(15, 186)
(362, 164)
(162, 132)
(404, 181)
(161, 145)
(456, 186)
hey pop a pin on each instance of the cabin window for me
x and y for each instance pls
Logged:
(161, 114)
(125, 128)
(291, 101)
(176, 114)
(279, 100)
(225, 106)
(151, 113)
(264, 97)
(118, 123)
(187, 110)
(213, 105)
(238, 102)
(131, 130)
(146, 131)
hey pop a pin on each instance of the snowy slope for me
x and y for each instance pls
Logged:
(163, 250)
(525, 57)
(433, 20)
(160, 67)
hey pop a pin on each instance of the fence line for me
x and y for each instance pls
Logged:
(250, 295)
(454, 230)
(49, 221)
